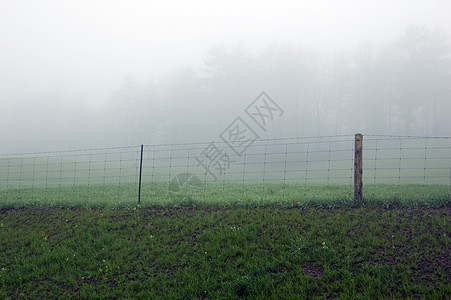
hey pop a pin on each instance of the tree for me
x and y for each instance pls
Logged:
(422, 79)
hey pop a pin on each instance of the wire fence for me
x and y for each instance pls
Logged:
(288, 169)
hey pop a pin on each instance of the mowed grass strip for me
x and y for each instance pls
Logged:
(225, 253)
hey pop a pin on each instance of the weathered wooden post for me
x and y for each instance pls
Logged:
(358, 180)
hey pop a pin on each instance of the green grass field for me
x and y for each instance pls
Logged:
(211, 253)
(225, 240)
(225, 195)
(280, 223)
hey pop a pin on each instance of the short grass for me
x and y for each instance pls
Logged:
(225, 195)
(232, 253)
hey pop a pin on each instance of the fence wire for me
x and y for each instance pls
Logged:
(289, 169)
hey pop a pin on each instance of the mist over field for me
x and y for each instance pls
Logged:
(86, 74)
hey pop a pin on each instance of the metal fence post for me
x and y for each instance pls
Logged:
(358, 180)
(140, 174)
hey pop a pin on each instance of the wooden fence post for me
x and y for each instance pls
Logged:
(358, 180)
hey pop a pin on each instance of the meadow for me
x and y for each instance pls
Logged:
(411, 171)
(226, 195)
(222, 240)
(281, 222)
(232, 253)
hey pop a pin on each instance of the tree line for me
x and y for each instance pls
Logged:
(401, 88)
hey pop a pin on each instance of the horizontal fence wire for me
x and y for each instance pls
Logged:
(74, 176)
(286, 169)
(407, 160)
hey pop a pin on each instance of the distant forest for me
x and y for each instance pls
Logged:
(401, 88)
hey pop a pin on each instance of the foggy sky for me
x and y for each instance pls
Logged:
(80, 52)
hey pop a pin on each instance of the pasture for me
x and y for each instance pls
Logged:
(225, 195)
(263, 252)
(280, 222)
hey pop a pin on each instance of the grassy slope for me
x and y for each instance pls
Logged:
(212, 253)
